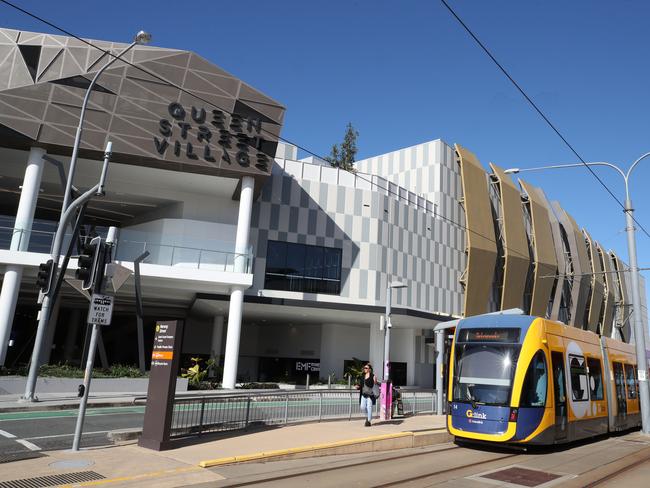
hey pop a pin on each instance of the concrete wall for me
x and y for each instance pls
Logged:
(340, 342)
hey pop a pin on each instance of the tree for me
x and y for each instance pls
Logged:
(343, 155)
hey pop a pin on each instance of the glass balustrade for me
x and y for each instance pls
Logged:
(127, 250)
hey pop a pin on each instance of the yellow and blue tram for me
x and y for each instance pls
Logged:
(527, 380)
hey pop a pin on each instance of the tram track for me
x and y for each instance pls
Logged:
(627, 466)
(335, 466)
(364, 463)
(443, 471)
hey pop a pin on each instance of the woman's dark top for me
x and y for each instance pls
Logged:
(369, 382)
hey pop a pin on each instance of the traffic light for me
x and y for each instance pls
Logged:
(44, 276)
(87, 262)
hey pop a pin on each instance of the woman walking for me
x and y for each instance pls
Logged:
(367, 392)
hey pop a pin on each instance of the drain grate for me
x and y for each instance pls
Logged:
(53, 480)
(19, 456)
(521, 476)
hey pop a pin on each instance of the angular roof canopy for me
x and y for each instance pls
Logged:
(213, 124)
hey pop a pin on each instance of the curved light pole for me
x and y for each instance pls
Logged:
(49, 298)
(639, 333)
(141, 37)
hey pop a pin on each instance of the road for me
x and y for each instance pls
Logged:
(25, 432)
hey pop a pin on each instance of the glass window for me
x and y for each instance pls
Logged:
(595, 378)
(295, 259)
(533, 393)
(276, 257)
(483, 373)
(332, 268)
(303, 268)
(314, 262)
(578, 377)
(630, 379)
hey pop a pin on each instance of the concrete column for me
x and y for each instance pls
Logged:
(217, 338)
(440, 357)
(376, 348)
(237, 294)
(19, 242)
(70, 345)
(48, 341)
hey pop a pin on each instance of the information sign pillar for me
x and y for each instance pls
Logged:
(162, 385)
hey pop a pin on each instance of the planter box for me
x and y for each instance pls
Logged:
(12, 385)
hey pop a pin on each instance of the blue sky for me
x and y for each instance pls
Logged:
(405, 72)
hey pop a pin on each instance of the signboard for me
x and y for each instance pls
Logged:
(162, 385)
(509, 335)
(163, 346)
(101, 309)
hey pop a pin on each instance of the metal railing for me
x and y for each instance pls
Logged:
(223, 412)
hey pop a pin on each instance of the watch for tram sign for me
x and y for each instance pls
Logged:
(234, 133)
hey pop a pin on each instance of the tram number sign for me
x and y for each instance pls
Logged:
(642, 375)
(101, 309)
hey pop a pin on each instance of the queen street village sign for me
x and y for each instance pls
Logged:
(215, 124)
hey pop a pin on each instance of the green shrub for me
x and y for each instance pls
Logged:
(68, 371)
(195, 374)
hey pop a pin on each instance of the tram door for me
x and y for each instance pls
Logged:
(559, 388)
(621, 402)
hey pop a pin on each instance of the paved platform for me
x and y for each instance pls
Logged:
(130, 465)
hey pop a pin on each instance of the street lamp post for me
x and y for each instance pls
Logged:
(639, 333)
(49, 298)
(386, 391)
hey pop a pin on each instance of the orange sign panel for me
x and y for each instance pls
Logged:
(165, 355)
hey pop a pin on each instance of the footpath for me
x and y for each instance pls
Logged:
(126, 464)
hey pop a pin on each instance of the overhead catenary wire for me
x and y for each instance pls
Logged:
(213, 104)
(537, 109)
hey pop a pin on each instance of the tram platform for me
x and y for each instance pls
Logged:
(127, 464)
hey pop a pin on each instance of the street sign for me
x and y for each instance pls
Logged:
(117, 275)
(78, 285)
(101, 309)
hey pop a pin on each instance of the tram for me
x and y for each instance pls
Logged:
(519, 379)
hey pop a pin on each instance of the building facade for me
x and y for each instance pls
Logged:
(280, 267)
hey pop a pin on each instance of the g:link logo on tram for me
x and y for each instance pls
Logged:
(475, 415)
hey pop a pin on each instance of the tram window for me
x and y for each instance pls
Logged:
(595, 379)
(578, 378)
(630, 379)
(533, 393)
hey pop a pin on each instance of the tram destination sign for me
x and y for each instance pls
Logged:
(508, 335)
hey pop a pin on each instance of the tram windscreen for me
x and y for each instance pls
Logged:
(483, 373)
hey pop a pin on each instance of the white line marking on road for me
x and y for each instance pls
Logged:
(4, 433)
(28, 445)
(71, 416)
(67, 435)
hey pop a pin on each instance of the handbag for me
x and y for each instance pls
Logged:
(375, 390)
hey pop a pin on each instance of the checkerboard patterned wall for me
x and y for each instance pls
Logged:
(383, 229)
